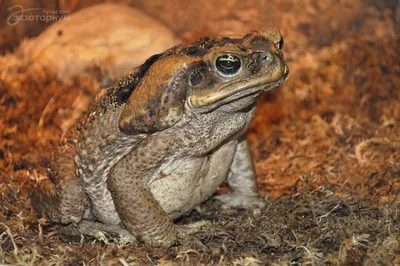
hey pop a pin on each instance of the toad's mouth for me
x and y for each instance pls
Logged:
(241, 88)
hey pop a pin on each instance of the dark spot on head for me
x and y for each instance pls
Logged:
(244, 49)
(254, 65)
(194, 51)
(195, 77)
(59, 33)
(198, 74)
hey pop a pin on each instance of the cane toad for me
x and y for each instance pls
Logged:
(163, 139)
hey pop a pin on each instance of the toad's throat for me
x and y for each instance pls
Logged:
(240, 86)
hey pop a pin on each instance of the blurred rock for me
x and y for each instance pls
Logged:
(114, 38)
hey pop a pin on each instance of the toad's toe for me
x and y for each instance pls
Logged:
(240, 201)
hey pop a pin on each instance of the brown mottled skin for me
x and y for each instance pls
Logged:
(162, 140)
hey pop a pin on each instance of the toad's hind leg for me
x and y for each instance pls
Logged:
(61, 199)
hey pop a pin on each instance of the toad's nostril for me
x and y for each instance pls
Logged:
(266, 57)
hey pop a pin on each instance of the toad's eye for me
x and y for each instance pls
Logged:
(228, 65)
(280, 44)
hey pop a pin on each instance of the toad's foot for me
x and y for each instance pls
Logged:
(240, 201)
(100, 231)
(179, 233)
(184, 230)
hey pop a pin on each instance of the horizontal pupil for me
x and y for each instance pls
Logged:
(228, 64)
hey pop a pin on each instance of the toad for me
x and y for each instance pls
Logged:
(163, 139)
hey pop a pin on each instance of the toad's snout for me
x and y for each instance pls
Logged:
(273, 65)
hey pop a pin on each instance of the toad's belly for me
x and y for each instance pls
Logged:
(183, 184)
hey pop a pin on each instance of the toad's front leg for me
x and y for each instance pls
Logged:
(139, 211)
(242, 180)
